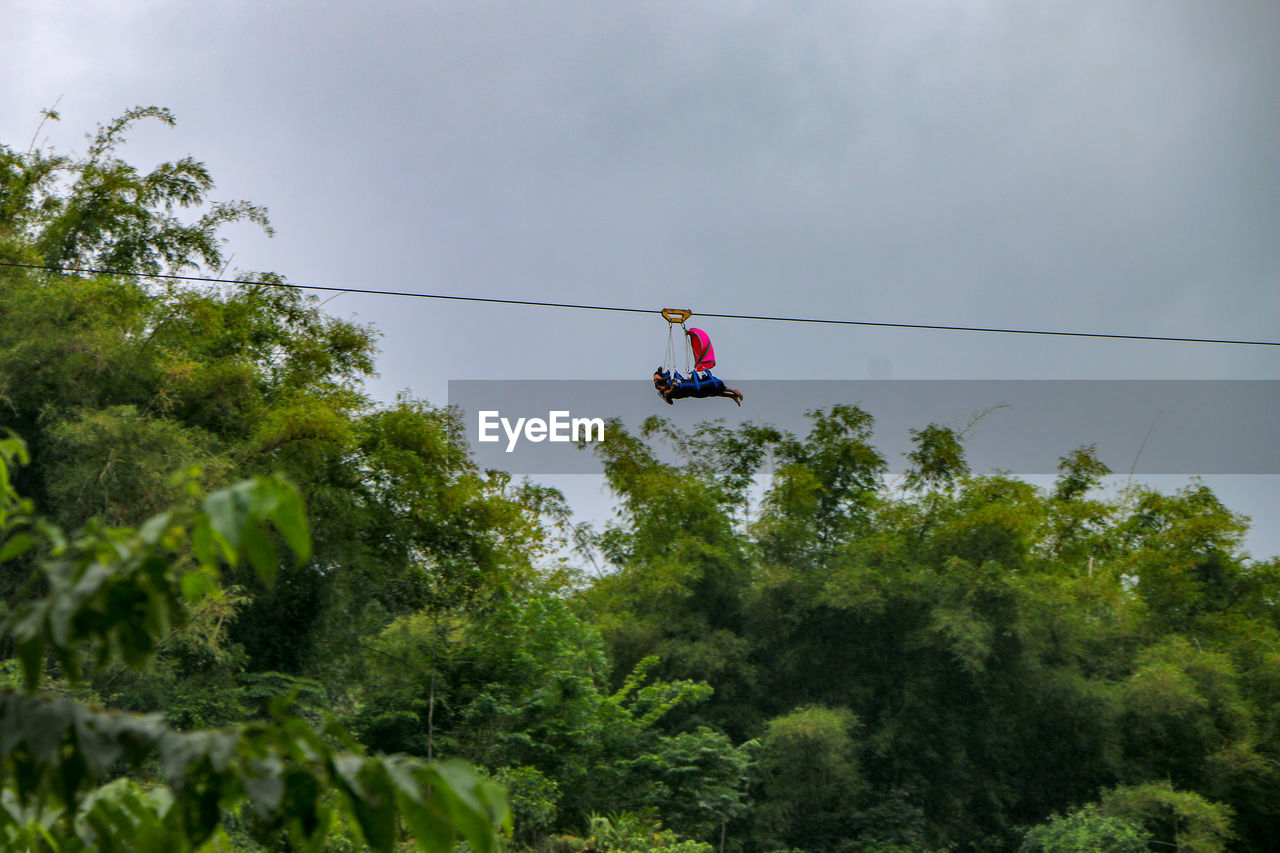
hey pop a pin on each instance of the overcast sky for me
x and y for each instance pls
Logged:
(1089, 165)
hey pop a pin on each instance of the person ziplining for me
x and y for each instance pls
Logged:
(670, 384)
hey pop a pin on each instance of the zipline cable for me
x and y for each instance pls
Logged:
(492, 300)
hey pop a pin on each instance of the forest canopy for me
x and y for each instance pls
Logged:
(293, 615)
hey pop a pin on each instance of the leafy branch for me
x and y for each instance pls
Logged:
(114, 594)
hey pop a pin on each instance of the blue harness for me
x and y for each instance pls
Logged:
(697, 384)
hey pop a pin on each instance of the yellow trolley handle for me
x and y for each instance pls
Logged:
(676, 315)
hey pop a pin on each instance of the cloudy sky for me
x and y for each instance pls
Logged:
(1089, 165)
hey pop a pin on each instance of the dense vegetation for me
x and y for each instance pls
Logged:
(950, 661)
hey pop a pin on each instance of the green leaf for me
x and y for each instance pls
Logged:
(155, 528)
(236, 516)
(372, 799)
(299, 808)
(197, 584)
(31, 655)
(290, 518)
(475, 807)
(264, 783)
(262, 556)
(16, 546)
(228, 511)
(430, 828)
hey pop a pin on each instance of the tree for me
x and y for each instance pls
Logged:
(809, 775)
(1182, 820)
(1180, 706)
(113, 593)
(1086, 830)
(938, 460)
(99, 212)
(680, 566)
(1008, 651)
(522, 690)
(823, 490)
(959, 660)
(120, 385)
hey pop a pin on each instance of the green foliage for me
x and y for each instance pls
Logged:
(194, 678)
(823, 489)
(120, 815)
(120, 590)
(110, 216)
(1179, 706)
(808, 768)
(938, 460)
(1078, 472)
(55, 750)
(121, 386)
(115, 592)
(681, 567)
(1183, 820)
(15, 511)
(522, 689)
(694, 779)
(1086, 830)
(1008, 650)
(630, 832)
(534, 801)
(828, 664)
